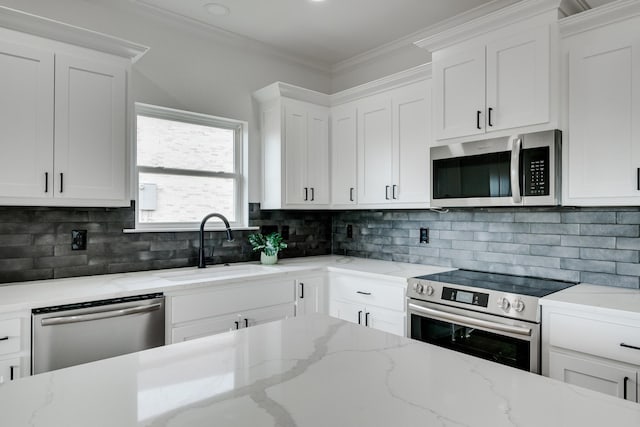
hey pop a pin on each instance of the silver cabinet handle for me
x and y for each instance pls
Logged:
(470, 321)
(516, 146)
(51, 321)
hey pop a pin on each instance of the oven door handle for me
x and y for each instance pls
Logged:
(470, 321)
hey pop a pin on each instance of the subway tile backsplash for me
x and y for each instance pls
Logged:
(593, 245)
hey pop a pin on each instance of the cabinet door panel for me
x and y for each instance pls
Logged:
(90, 136)
(267, 314)
(9, 370)
(205, 328)
(26, 121)
(518, 80)
(411, 142)
(310, 295)
(385, 320)
(295, 153)
(459, 80)
(375, 153)
(343, 155)
(318, 156)
(594, 374)
(604, 130)
(347, 311)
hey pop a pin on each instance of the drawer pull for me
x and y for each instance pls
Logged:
(363, 293)
(633, 347)
(4, 338)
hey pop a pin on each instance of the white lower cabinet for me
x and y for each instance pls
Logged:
(9, 370)
(373, 303)
(596, 351)
(198, 313)
(310, 295)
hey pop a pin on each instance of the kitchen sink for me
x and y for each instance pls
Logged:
(216, 272)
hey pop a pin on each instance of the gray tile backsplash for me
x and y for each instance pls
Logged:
(35, 243)
(594, 245)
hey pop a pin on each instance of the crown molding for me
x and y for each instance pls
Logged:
(571, 7)
(280, 89)
(48, 28)
(387, 48)
(525, 9)
(603, 15)
(411, 75)
(209, 30)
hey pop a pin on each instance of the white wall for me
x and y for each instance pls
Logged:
(187, 67)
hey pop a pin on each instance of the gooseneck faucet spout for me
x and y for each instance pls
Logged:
(201, 257)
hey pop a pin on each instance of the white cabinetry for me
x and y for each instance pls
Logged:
(344, 155)
(295, 148)
(602, 136)
(394, 136)
(501, 85)
(369, 302)
(210, 311)
(14, 353)
(597, 351)
(310, 295)
(63, 115)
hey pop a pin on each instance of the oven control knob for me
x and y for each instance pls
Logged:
(504, 304)
(430, 290)
(418, 288)
(518, 305)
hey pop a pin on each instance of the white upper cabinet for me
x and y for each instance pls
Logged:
(500, 85)
(602, 136)
(63, 114)
(295, 148)
(343, 155)
(26, 121)
(90, 130)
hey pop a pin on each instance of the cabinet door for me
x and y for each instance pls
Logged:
(459, 92)
(343, 155)
(9, 370)
(267, 314)
(216, 325)
(296, 187)
(592, 373)
(347, 311)
(317, 162)
(411, 141)
(604, 129)
(90, 135)
(375, 150)
(518, 80)
(26, 122)
(310, 295)
(385, 320)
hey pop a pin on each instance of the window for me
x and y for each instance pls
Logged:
(188, 165)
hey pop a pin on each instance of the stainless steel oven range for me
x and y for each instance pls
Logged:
(492, 316)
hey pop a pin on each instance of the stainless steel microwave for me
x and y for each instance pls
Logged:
(520, 170)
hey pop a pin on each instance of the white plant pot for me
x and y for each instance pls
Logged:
(268, 259)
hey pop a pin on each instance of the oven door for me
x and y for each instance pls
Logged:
(509, 342)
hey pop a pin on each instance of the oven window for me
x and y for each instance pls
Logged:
(483, 175)
(476, 342)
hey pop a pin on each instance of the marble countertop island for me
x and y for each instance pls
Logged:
(310, 371)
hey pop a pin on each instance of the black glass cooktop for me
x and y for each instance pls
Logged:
(507, 283)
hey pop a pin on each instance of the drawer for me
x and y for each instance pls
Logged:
(238, 298)
(595, 337)
(10, 336)
(367, 292)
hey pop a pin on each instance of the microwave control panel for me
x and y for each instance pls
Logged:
(535, 166)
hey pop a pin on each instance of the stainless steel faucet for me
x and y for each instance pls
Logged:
(201, 258)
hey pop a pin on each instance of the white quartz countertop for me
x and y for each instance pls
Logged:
(43, 293)
(310, 371)
(600, 299)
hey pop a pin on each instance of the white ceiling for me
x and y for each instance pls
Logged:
(325, 32)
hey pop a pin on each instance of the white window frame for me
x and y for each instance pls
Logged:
(241, 141)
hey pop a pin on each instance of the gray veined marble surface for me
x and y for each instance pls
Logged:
(311, 371)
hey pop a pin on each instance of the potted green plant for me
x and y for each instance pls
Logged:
(268, 245)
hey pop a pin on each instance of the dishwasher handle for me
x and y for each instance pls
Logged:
(62, 320)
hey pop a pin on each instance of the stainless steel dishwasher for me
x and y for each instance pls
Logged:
(72, 334)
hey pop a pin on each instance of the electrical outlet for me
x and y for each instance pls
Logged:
(78, 240)
(285, 232)
(349, 231)
(424, 235)
(268, 229)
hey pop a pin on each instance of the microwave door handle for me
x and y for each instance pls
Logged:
(516, 146)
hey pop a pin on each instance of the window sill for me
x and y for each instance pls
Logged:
(187, 230)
